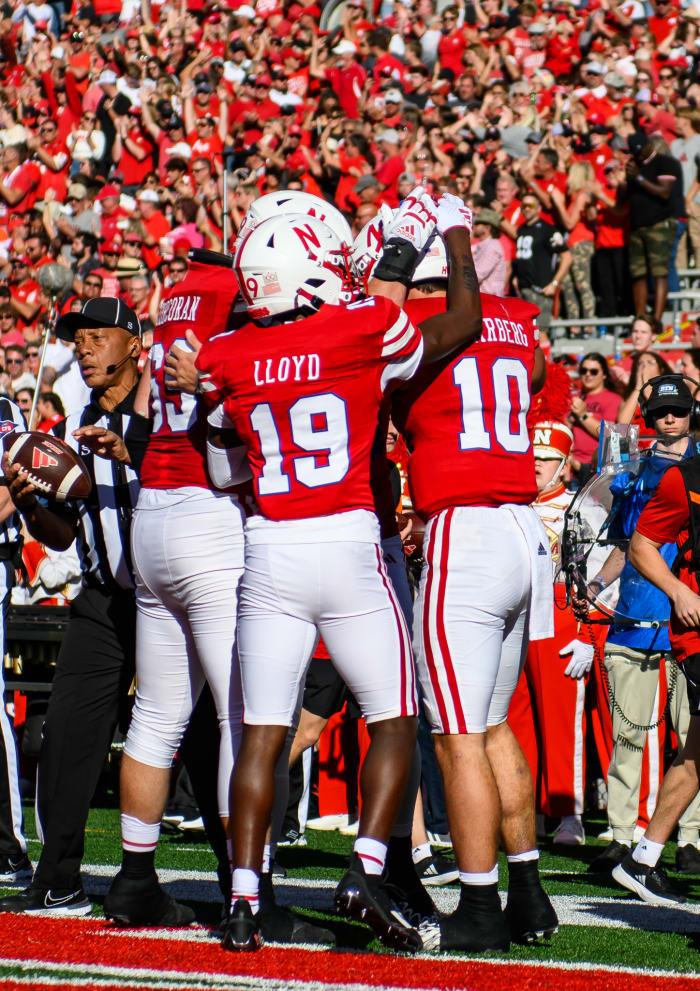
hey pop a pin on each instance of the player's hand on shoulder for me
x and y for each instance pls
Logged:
(22, 492)
(451, 212)
(180, 372)
(104, 443)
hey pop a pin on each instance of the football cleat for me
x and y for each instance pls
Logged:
(142, 902)
(470, 932)
(282, 925)
(611, 856)
(363, 897)
(649, 883)
(687, 859)
(15, 871)
(529, 911)
(58, 902)
(242, 929)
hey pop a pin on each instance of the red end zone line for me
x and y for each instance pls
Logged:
(98, 943)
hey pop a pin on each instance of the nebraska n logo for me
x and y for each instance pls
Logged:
(543, 436)
(40, 459)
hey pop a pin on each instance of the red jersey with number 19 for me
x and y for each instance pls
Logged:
(176, 455)
(304, 398)
(464, 417)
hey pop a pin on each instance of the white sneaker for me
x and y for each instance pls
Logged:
(328, 822)
(440, 840)
(351, 828)
(570, 832)
(607, 834)
(192, 825)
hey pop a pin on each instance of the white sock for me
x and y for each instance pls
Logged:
(521, 858)
(137, 836)
(421, 851)
(372, 853)
(490, 877)
(245, 884)
(647, 852)
(268, 857)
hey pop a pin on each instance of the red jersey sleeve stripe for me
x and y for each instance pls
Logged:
(403, 345)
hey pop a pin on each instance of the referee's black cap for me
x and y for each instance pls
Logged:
(105, 311)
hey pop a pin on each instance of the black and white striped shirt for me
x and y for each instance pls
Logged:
(10, 419)
(103, 520)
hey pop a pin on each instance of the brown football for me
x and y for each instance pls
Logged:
(54, 469)
(414, 540)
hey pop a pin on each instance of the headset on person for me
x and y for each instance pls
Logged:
(647, 415)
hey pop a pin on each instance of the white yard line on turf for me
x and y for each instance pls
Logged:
(624, 912)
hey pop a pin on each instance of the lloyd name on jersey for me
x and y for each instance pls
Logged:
(288, 368)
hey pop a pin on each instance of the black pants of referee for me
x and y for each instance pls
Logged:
(12, 842)
(89, 698)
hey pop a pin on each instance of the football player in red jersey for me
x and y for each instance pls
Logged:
(187, 546)
(472, 478)
(303, 388)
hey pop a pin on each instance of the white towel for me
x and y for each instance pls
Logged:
(541, 571)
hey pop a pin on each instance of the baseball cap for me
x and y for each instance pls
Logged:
(637, 141)
(391, 135)
(488, 216)
(498, 21)
(148, 196)
(596, 68)
(393, 96)
(111, 247)
(105, 311)
(668, 392)
(132, 237)
(107, 76)
(77, 191)
(364, 182)
(492, 134)
(344, 48)
(108, 190)
(537, 27)
(614, 79)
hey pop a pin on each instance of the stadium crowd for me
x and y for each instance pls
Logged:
(132, 133)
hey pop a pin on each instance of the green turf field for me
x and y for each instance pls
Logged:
(616, 929)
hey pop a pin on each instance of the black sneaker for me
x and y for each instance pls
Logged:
(142, 902)
(611, 856)
(292, 838)
(649, 883)
(436, 870)
(58, 902)
(15, 871)
(242, 929)
(282, 925)
(529, 911)
(687, 859)
(477, 926)
(363, 897)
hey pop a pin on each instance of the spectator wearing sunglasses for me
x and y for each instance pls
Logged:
(9, 332)
(597, 401)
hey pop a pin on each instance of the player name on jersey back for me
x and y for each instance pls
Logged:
(176, 453)
(464, 418)
(290, 367)
(304, 398)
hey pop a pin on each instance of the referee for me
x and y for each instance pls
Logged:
(14, 863)
(96, 662)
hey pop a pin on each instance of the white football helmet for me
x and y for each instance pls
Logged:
(290, 262)
(433, 264)
(288, 201)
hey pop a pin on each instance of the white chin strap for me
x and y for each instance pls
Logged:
(555, 480)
